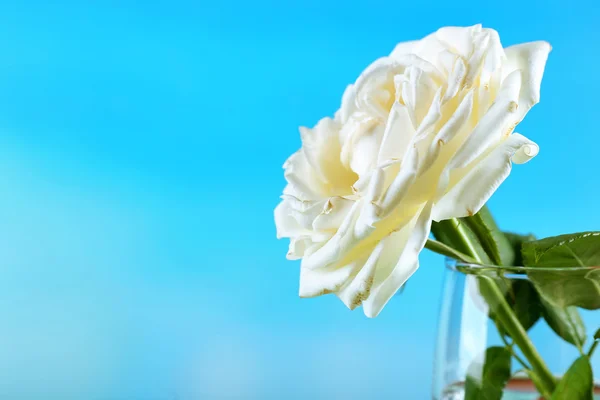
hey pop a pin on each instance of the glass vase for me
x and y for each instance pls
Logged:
(471, 337)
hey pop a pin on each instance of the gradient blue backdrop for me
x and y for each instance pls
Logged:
(141, 146)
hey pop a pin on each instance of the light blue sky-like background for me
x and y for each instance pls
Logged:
(141, 146)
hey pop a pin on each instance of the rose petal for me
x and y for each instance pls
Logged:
(457, 122)
(317, 282)
(456, 79)
(530, 58)
(296, 218)
(302, 181)
(481, 41)
(297, 247)
(427, 49)
(459, 39)
(356, 290)
(319, 145)
(390, 276)
(306, 216)
(401, 183)
(495, 122)
(385, 68)
(348, 106)
(370, 212)
(467, 196)
(333, 214)
(286, 225)
(397, 136)
(365, 148)
(339, 244)
(418, 90)
(494, 57)
(433, 116)
(361, 137)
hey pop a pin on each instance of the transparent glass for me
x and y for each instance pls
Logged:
(466, 329)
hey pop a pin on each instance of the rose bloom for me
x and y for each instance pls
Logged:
(424, 134)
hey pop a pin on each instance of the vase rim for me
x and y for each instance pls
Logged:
(474, 268)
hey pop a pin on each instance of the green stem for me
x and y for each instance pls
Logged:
(504, 313)
(445, 250)
(592, 348)
(511, 324)
(538, 384)
(509, 347)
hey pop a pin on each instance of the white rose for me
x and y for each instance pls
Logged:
(423, 134)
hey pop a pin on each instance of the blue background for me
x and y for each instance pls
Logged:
(141, 146)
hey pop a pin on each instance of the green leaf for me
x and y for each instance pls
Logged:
(597, 335)
(492, 239)
(487, 383)
(441, 248)
(564, 251)
(516, 241)
(525, 301)
(578, 382)
(568, 285)
(566, 322)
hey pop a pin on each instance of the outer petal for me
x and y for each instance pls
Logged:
(338, 246)
(530, 58)
(385, 68)
(481, 41)
(285, 223)
(381, 259)
(389, 277)
(452, 128)
(332, 214)
(410, 47)
(356, 290)
(328, 280)
(459, 39)
(288, 226)
(397, 136)
(364, 151)
(298, 247)
(427, 48)
(499, 118)
(401, 183)
(303, 183)
(494, 56)
(417, 92)
(370, 212)
(305, 215)
(432, 117)
(348, 105)
(320, 145)
(456, 78)
(361, 137)
(466, 197)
